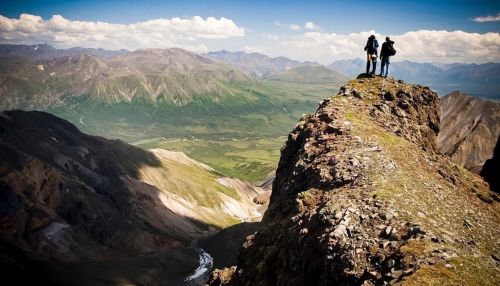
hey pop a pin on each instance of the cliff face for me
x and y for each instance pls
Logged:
(363, 197)
(470, 127)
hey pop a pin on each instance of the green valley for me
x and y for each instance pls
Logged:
(249, 159)
(239, 136)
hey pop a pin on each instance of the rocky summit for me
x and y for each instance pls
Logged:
(362, 196)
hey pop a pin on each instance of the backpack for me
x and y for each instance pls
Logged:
(371, 46)
(391, 51)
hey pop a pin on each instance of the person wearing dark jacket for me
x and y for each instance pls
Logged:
(385, 54)
(371, 53)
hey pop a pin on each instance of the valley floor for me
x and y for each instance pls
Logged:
(249, 159)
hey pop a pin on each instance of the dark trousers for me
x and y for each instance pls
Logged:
(385, 62)
(373, 59)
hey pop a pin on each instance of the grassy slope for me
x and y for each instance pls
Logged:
(250, 159)
(200, 188)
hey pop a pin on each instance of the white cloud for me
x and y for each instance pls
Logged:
(196, 34)
(482, 19)
(307, 26)
(420, 46)
(311, 26)
(180, 32)
(273, 37)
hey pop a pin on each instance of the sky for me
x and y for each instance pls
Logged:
(323, 31)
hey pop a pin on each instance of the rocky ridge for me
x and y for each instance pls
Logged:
(362, 196)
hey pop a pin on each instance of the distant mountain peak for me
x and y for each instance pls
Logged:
(256, 64)
(48, 52)
(470, 127)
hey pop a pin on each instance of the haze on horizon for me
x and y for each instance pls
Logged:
(322, 31)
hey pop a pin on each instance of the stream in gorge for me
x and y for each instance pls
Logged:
(201, 274)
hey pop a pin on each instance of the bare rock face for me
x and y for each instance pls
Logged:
(470, 127)
(362, 196)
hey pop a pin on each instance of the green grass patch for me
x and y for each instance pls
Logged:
(249, 159)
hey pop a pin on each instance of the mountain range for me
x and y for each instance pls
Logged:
(48, 52)
(179, 92)
(308, 75)
(481, 80)
(475, 79)
(255, 64)
(171, 76)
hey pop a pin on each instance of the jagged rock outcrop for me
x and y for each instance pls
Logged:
(362, 196)
(470, 127)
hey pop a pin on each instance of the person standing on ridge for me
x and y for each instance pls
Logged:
(371, 53)
(386, 52)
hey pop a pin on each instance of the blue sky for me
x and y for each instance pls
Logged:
(339, 16)
(271, 25)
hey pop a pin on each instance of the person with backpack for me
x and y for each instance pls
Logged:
(371, 53)
(386, 52)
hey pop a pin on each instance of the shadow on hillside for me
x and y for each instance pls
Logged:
(50, 172)
(225, 245)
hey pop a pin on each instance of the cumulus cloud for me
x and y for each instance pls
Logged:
(196, 33)
(482, 19)
(296, 27)
(59, 31)
(420, 46)
(311, 26)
